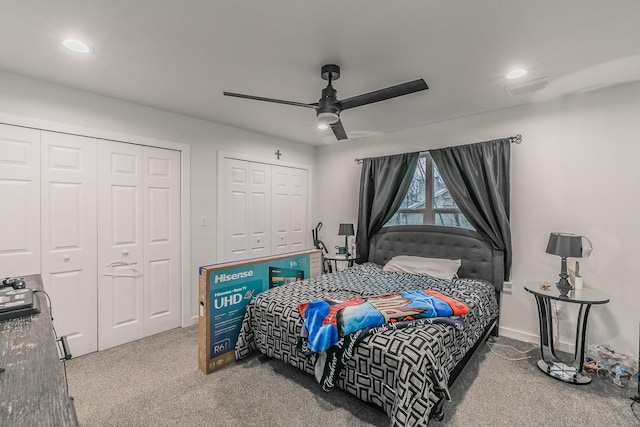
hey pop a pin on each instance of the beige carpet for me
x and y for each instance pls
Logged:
(156, 382)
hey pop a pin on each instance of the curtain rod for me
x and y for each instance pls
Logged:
(512, 139)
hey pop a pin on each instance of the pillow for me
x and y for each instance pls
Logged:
(440, 268)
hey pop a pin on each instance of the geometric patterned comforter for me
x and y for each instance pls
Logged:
(404, 371)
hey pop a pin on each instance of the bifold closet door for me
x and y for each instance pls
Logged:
(289, 209)
(299, 230)
(161, 237)
(247, 210)
(120, 244)
(20, 195)
(138, 242)
(69, 236)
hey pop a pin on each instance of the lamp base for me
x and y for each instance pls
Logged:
(563, 284)
(564, 287)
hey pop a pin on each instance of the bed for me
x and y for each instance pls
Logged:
(407, 371)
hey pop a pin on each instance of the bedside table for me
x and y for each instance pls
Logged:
(551, 364)
(336, 258)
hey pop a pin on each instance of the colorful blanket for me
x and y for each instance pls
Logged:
(329, 364)
(326, 322)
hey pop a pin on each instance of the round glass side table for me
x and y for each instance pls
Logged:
(340, 258)
(550, 363)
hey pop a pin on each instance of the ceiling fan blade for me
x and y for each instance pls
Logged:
(382, 94)
(338, 130)
(278, 101)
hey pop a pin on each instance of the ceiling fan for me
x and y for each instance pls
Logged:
(328, 107)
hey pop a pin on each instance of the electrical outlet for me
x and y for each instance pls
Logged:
(507, 288)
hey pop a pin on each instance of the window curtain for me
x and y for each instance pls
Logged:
(477, 176)
(384, 183)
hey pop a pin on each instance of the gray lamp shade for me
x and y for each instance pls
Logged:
(346, 230)
(565, 245)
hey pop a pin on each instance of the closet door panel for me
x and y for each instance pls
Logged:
(120, 244)
(237, 209)
(125, 216)
(289, 209)
(298, 219)
(259, 220)
(69, 236)
(161, 219)
(281, 210)
(20, 190)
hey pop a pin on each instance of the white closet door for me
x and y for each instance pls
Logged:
(260, 208)
(247, 210)
(20, 194)
(120, 244)
(69, 237)
(236, 209)
(289, 213)
(298, 221)
(281, 215)
(161, 219)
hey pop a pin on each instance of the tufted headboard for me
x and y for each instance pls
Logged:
(479, 259)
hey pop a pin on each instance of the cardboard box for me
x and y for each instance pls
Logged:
(225, 290)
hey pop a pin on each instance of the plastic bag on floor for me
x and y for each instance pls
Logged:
(602, 360)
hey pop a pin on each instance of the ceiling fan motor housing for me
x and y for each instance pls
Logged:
(328, 109)
(330, 72)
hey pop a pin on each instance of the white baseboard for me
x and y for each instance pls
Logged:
(190, 321)
(533, 339)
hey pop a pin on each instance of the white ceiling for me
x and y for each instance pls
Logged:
(179, 56)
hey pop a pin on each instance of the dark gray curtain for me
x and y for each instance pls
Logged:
(384, 183)
(477, 175)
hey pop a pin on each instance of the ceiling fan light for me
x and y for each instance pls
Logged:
(327, 118)
(323, 126)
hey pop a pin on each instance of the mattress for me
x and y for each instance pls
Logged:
(405, 371)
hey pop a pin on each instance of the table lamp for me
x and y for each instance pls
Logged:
(564, 245)
(346, 230)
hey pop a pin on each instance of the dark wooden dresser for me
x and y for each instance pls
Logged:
(33, 389)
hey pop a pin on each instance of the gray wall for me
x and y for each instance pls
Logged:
(575, 171)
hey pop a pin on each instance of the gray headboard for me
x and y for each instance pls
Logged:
(479, 259)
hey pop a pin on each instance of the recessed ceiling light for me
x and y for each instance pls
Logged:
(76, 46)
(516, 74)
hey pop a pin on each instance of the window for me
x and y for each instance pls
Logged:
(428, 185)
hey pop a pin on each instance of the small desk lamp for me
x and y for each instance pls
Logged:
(346, 230)
(564, 245)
